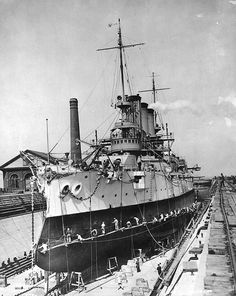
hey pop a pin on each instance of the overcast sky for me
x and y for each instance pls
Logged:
(48, 55)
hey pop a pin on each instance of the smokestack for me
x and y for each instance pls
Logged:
(151, 129)
(144, 114)
(75, 145)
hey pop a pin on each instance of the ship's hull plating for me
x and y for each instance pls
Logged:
(93, 253)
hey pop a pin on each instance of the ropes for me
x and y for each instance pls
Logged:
(110, 125)
(143, 216)
(100, 124)
(63, 227)
(95, 189)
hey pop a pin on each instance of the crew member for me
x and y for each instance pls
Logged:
(154, 220)
(68, 235)
(161, 217)
(116, 224)
(119, 280)
(128, 223)
(44, 248)
(139, 162)
(159, 269)
(138, 265)
(79, 237)
(136, 220)
(103, 227)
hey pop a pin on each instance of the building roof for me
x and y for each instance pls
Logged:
(41, 155)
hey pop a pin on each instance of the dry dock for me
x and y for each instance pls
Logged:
(213, 271)
(220, 264)
(203, 264)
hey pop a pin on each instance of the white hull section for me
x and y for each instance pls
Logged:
(86, 191)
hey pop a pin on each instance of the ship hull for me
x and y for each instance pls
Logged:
(93, 253)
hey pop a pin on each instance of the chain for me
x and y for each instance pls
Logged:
(95, 189)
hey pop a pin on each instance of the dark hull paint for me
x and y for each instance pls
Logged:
(93, 254)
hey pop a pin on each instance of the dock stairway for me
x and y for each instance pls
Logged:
(16, 267)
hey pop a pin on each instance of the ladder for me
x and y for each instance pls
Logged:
(78, 281)
(112, 264)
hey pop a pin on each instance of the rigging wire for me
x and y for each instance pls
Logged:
(127, 73)
(59, 139)
(8, 233)
(142, 53)
(100, 124)
(63, 222)
(86, 101)
(97, 82)
(118, 80)
(90, 226)
(115, 77)
(110, 126)
(135, 194)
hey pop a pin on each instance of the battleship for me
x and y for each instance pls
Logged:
(130, 194)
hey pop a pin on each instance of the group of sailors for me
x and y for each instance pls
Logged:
(135, 221)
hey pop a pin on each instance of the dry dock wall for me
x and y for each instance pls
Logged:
(16, 235)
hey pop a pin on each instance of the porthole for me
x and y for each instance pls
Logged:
(86, 177)
(126, 193)
(77, 188)
(103, 196)
(115, 195)
(65, 190)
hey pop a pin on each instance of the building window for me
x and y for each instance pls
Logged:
(27, 181)
(14, 181)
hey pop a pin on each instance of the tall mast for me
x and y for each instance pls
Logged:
(120, 47)
(154, 90)
(48, 152)
(154, 97)
(121, 61)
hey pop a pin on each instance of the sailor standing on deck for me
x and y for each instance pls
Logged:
(116, 223)
(138, 265)
(119, 280)
(159, 269)
(128, 223)
(154, 220)
(79, 237)
(68, 235)
(136, 220)
(103, 227)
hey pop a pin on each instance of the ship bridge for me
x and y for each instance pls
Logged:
(126, 134)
